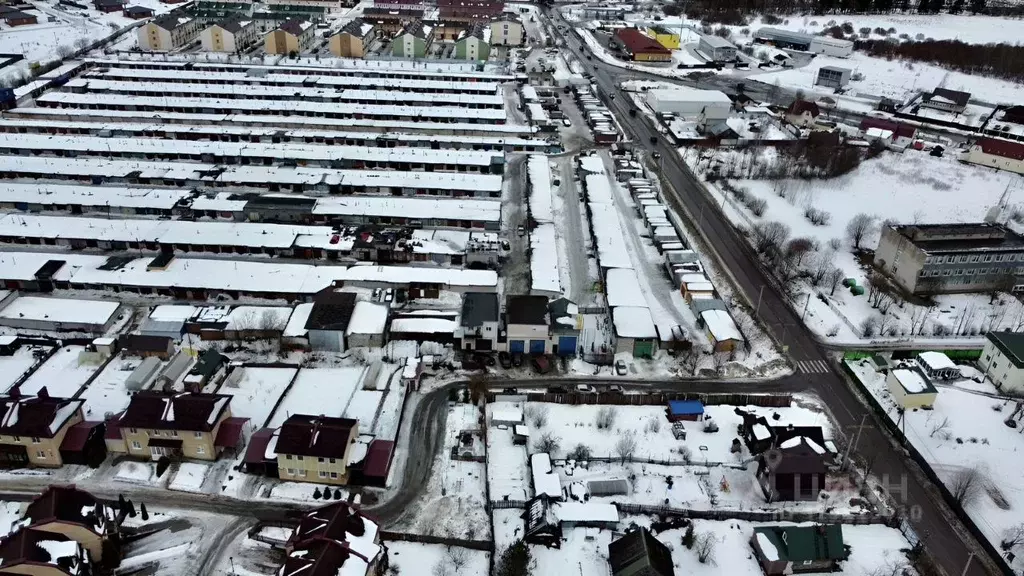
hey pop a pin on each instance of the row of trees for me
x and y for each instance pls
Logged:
(736, 12)
(1003, 60)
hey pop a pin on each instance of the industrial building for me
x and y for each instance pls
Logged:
(664, 36)
(833, 77)
(642, 48)
(786, 39)
(691, 102)
(716, 49)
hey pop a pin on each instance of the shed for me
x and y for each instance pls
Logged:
(608, 487)
(584, 514)
(692, 410)
(142, 374)
(721, 330)
(174, 369)
(509, 416)
(545, 480)
(938, 366)
(640, 553)
(792, 549)
(911, 388)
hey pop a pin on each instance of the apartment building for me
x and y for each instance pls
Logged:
(168, 32)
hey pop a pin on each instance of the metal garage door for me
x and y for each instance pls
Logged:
(566, 345)
(516, 346)
(643, 349)
(537, 346)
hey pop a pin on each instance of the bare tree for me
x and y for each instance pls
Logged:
(966, 485)
(690, 361)
(769, 236)
(548, 442)
(821, 266)
(441, 568)
(833, 278)
(1012, 537)
(457, 557)
(63, 51)
(797, 248)
(536, 414)
(625, 447)
(704, 545)
(82, 43)
(858, 227)
(940, 426)
(605, 418)
(720, 358)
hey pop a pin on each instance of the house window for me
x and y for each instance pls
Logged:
(323, 474)
(973, 258)
(947, 272)
(291, 471)
(199, 435)
(174, 433)
(959, 271)
(287, 456)
(136, 445)
(35, 440)
(302, 473)
(41, 454)
(133, 431)
(986, 258)
(334, 475)
(200, 450)
(17, 438)
(320, 460)
(332, 460)
(155, 432)
(299, 458)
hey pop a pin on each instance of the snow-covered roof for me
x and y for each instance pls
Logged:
(400, 275)
(539, 171)
(59, 310)
(721, 325)
(611, 245)
(296, 327)
(50, 194)
(936, 361)
(685, 94)
(913, 381)
(585, 512)
(367, 318)
(761, 432)
(545, 481)
(544, 277)
(768, 549)
(623, 288)
(506, 414)
(423, 325)
(417, 208)
(797, 440)
(633, 322)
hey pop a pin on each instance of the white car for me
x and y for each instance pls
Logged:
(566, 122)
(585, 389)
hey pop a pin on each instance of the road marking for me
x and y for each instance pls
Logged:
(812, 366)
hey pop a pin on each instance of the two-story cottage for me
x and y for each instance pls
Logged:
(76, 514)
(316, 448)
(39, 553)
(32, 429)
(527, 324)
(335, 539)
(802, 113)
(479, 322)
(176, 425)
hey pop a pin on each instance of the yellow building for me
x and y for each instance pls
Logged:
(317, 449)
(291, 37)
(37, 553)
(168, 32)
(176, 425)
(32, 429)
(664, 36)
(353, 40)
(910, 388)
(75, 514)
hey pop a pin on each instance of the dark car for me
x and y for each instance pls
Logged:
(517, 360)
(557, 390)
(632, 112)
(654, 139)
(484, 359)
(541, 364)
(472, 363)
(505, 360)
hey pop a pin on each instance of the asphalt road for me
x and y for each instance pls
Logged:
(946, 539)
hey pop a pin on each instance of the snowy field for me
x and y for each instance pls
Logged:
(255, 393)
(14, 366)
(386, 427)
(965, 432)
(919, 189)
(453, 503)
(131, 472)
(317, 391)
(415, 558)
(189, 477)
(107, 394)
(574, 425)
(508, 471)
(60, 374)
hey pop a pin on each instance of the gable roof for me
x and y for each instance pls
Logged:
(332, 310)
(172, 21)
(322, 557)
(798, 107)
(138, 10)
(417, 28)
(295, 26)
(235, 23)
(1011, 344)
(36, 416)
(356, 28)
(532, 310)
(799, 455)
(955, 96)
(190, 411)
(1003, 148)
(38, 547)
(636, 42)
(318, 436)
(340, 522)
(69, 505)
(479, 307)
(805, 543)
(640, 545)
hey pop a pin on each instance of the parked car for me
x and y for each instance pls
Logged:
(521, 230)
(656, 155)
(654, 139)
(505, 360)
(615, 389)
(484, 359)
(389, 294)
(517, 360)
(505, 245)
(620, 367)
(566, 122)
(585, 389)
(541, 364)
(632, 112)
(557, 390)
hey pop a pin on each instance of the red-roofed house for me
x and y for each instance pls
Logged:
(32, 429)
(641, 47)
(40, 553)
(335, 539)
(996, 153)
(177, 425)
(802, 113)
(317, 448)
(74, 513)
(898, 129)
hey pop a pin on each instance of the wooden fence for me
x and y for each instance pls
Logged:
(653, 398)
(485, 545)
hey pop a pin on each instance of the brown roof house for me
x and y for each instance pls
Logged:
(141, 345)
(317, 449)
(75, 514)
(335, 539)
(39, 553)
(176, 425)
(802, 113)
(640, 553)
(793, 470)
(33, 428)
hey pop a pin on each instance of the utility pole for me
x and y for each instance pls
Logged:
(806, 304)
(856, 439)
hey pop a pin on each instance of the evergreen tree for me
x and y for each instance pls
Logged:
(923, 7)
(515, 560)
(145, 514)
(978, 6)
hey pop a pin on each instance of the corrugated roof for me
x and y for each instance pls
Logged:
(636, 42)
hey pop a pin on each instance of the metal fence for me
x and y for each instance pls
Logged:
(775, 400)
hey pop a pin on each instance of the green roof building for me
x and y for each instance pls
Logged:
(796, 549)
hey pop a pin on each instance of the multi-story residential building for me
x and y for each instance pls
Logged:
(291, 37)
(413, 41)
(353, 39)
(177, 425)
(233, 34)
(473, 43)
(1002, 359)
(950, 258)
(507, 30)
(213, 10)
(479, 322)
(76, 514)
(311, 10)
(316, 448)
(32, 429)
(168, 32)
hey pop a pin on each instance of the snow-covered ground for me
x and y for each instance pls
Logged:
(256, 391)
(132, 472)
(508, 472)
(107, 394)
(966, 432)
(326, 391)
(61, 374)
(920, 189)
(415, 558)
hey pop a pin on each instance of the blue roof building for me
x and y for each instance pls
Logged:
(685, 410)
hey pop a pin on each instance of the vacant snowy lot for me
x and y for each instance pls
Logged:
(964, 434)
(326, 391)
(107, 393)
(60, 374)
(256, 392)
(415, 558)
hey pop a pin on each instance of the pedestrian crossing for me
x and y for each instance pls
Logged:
(812, 366)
